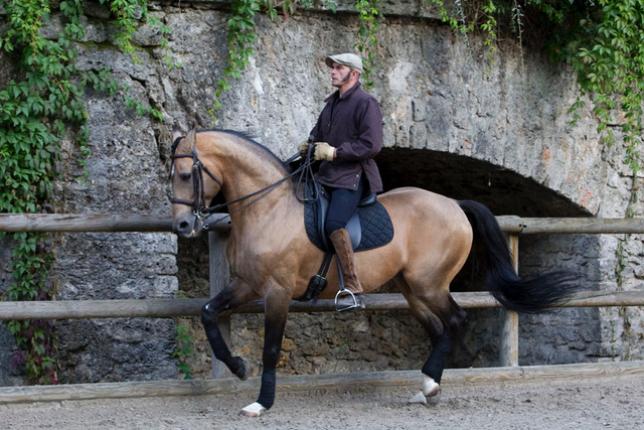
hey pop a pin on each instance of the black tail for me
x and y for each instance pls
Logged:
(522, 295)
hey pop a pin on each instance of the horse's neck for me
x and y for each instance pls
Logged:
(247, 171)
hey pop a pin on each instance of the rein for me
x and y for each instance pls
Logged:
(305, 172)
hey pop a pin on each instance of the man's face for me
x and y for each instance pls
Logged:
(340, 74)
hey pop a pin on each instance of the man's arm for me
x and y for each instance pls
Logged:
(314, 135)
(369, 141)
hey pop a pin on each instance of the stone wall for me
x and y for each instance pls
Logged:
(8, 372)
(438, 97)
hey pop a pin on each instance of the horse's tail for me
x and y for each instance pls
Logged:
(513, 292)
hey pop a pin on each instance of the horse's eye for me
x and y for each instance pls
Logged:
(185, 176)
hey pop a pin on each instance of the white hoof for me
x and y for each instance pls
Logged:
(419, 397)
(430, 387)
(253, 410)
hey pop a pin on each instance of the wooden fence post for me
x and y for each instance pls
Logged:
(219, 276)
(510, 333)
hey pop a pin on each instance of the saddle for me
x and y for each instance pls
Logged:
(369, 227)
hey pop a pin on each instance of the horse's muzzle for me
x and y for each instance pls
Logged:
(188, 225)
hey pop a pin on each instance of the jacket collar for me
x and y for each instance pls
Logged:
(346, 95)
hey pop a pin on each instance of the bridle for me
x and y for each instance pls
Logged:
(198, 203)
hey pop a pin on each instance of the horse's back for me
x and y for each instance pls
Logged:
(414, 202)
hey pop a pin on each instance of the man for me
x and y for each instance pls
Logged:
(347, 135)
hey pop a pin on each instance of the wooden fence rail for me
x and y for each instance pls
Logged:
(128, 223)
(166, 308)
(513, 226)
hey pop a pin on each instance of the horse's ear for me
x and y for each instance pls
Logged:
(176, 134)
(191, 138)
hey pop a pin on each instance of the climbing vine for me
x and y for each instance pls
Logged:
(602, 40)
(241, 36)
(367, 45)
(34, 113)
(184, 350)
(37, 110)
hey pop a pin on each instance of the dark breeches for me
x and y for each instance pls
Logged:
(342, 205)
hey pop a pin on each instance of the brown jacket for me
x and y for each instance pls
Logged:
(352, 123)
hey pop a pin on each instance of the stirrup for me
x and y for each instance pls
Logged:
(357, 302)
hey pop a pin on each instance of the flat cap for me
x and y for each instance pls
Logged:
(347, 59)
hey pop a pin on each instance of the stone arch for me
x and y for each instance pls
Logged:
(568, 335)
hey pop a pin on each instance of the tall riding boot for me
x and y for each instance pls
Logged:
(344, 252)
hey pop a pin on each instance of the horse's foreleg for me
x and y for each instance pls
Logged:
(276, 312)
(231, 296)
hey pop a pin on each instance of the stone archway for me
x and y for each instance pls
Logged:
(561, 336)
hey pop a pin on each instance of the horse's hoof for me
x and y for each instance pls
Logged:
(430, 387)
(253, 410)
(419, 397)
(238, 367)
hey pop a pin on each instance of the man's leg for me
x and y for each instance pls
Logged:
(342, 205)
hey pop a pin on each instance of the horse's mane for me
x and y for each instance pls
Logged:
(251, 139)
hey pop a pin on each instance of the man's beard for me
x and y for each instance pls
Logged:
(343, 80)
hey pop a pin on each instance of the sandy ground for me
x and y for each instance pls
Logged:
(597, 403)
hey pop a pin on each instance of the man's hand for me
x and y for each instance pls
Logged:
(324, 151)
(303, 148)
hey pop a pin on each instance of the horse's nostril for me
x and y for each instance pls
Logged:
(183, 225)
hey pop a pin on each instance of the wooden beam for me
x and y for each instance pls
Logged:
(135, 222)
(219, 277)
(83, 223)
(166, 308)
(514, 224)
(374, 381)
(510, 332)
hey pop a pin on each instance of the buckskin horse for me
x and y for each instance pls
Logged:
(271, 257)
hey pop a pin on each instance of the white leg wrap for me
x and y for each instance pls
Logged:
(430, 387)
(253, 410)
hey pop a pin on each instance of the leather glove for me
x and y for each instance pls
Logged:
(324, 151)
(303, 148)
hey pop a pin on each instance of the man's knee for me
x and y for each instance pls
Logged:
(333, 225)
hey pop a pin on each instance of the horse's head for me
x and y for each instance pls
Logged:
(195, 182)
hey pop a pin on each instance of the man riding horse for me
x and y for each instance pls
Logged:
(347, 136)
(271, 257)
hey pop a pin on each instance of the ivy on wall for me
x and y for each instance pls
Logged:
(35, 113)
(367, 44)
(603, 41)
(39, 108)
(241, 36)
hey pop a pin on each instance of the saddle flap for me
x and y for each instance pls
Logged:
(355, 230)
(370, 228)
(353, 226)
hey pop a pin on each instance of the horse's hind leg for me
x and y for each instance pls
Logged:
(441, 317)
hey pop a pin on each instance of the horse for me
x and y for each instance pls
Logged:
(271, 257)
